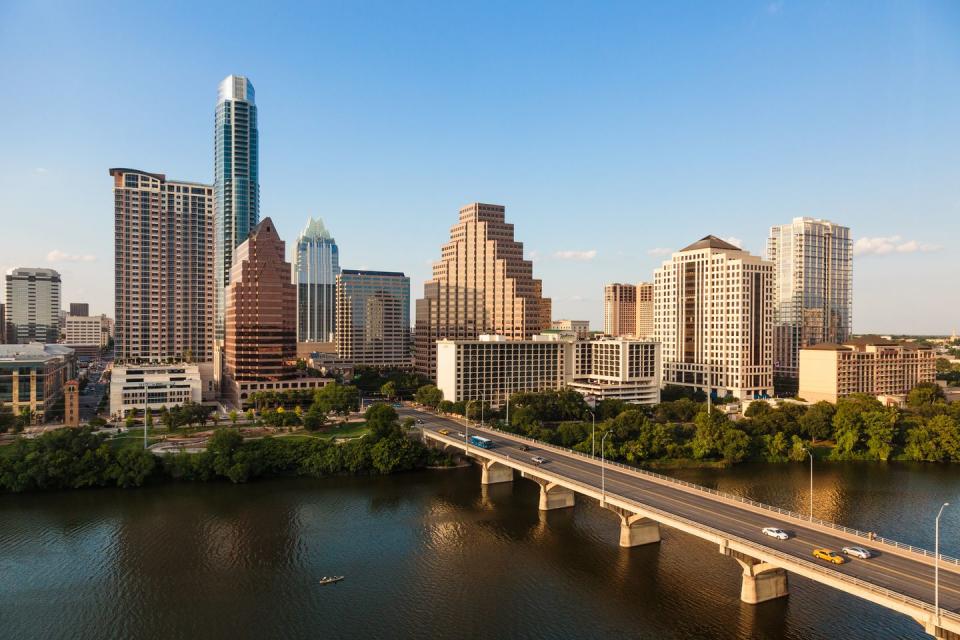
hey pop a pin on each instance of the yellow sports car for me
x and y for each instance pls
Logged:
(444, 432)
(829, 556)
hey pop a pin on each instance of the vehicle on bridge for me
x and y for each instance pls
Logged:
(857, 552)
(483, 443)
(828, 555)
(537, 460)
(774, 532)
(444, 432)
(524, 447)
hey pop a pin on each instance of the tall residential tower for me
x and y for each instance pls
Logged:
(316, 265)
(480, 285)
(619, 309)
(812, 301)
(236, 177)
(163, 268)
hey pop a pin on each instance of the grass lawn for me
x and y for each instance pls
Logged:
(132, 439)
(349, 430)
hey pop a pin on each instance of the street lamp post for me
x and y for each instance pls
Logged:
(810, 453)
(603, 474)
(936, 563)
(593, 435)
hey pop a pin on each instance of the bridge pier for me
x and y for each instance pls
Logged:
(494, 472)
(635, 528)
(552, 495)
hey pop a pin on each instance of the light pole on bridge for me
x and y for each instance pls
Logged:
(603, 469)
(936, 563)
(810, 453)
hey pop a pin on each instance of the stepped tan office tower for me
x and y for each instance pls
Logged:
(713, 314)
(373, 318)
(480, 285)
(163, 268)
(619, 309)
(644, 310)
(813, 261)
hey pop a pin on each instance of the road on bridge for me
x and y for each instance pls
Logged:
(905, 575)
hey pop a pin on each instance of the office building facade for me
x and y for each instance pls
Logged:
(644, 327)
(813, 266)
(316, 265)
(163, 268)
(713, 315)
(32, 377)
(619, 309)
(33, 305)
(626, 369)
(830, 371)
(78, 309)
(480, 285)
(139, 387)
(236, 178)
(373, 318)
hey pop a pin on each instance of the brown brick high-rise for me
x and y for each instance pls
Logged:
(481, 284)
(261, 311)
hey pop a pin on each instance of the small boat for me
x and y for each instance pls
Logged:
(330, 579)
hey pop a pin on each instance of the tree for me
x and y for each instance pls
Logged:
(130, 420)
(313, 420)
(879, 431)
(131, 468)
(817, 422)
(429, 395)
(445, 406)
(925, 395)
(251, 415)
(389, 390)
(382, 420)
(338, 398)
(233, 415)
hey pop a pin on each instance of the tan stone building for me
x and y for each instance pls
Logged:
(869, 365)
(480, 285)
(619, 309)
(644, 310)
(373, 318)
(713, 314)
(163, 268)
(579, 328)
(71, 403)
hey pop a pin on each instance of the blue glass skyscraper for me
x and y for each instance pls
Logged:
(316, 266)
(236, 178)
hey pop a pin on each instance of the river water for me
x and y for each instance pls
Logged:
(427, 555)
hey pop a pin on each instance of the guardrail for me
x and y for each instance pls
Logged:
(727, 496)
(786, 557)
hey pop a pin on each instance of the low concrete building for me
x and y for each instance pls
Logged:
(84, 334)
(492, 368)
(580, 328)
(875, 366)
(134, 387)
(32, 377)
(618, 369)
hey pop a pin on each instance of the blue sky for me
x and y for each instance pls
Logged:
(612, 132)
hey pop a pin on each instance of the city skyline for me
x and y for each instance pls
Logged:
(660, 169)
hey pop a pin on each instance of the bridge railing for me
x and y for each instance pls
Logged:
(735, 498)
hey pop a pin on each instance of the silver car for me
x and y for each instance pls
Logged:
(857, 552)
(774, 532)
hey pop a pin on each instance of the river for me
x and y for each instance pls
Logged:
(427, 555)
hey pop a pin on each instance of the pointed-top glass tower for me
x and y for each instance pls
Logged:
(236, 178)
(316, 266)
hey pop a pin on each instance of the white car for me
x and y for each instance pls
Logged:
(537, 460)
(774, 532)
(857, 552)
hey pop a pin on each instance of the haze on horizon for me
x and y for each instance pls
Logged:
(612, 134)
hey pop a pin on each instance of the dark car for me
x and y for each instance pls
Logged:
(524, 447)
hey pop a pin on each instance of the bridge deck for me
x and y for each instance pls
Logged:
(901, 571)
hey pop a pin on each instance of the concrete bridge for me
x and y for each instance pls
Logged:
(899, 577)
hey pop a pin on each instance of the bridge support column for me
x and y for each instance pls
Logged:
(553, 496)
(494, 472)
(762, 582)
(635, 528)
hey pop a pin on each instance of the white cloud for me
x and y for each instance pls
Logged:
(737, 242)
(579, 256)
(60, 256)
(883, 245)
(659, 251)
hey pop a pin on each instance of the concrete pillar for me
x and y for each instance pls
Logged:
(494, 472)
(553, 496)
(762, 582)
(638, 530)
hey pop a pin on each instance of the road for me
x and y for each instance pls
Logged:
(905, 575)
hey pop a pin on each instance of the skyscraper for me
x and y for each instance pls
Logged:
(316, 265)
(619, 309)
(713, 315)
(261, 318)
(373, 318)
(644, 310)
(33, 305)
(812, 301)
(163, 268)
(480, 285)
(236, 178)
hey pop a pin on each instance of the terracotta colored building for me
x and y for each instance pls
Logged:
(71, 403)
(619, 309)
(260, 345)
(480, 285)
